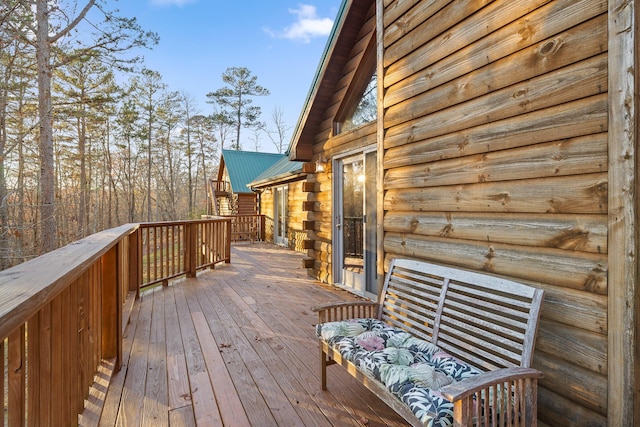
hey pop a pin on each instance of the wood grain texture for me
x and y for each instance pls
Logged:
(623, 407)
(251, 342)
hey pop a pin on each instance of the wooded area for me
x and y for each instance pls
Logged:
(90, 138)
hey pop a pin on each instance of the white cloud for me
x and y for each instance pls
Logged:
(307, 26)
(178, 3)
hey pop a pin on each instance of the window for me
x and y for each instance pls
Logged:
(360, 102)
(366, 110)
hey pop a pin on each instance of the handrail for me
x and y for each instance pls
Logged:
(172, 249)
(247, 226)
(61, 314)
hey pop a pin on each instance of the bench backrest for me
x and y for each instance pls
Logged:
(486, 321)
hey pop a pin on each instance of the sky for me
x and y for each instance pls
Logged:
(280, 41)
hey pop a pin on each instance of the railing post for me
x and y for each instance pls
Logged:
(263, 222)
(228, 243)
(191, 243)
(135, 262)
(111, 308)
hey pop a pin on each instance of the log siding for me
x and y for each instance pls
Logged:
(495, 126)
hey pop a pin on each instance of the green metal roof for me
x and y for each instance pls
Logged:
(284, 169)
(244, 166)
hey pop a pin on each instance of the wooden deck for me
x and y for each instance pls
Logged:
(234, 346)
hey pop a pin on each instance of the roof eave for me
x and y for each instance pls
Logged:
(313, 91)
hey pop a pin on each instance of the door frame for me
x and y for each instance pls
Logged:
(280, 236)
(337, 208)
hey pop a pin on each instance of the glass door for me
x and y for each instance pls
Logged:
(355, 223)
(281, 197)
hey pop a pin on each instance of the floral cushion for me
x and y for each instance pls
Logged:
(411, 368)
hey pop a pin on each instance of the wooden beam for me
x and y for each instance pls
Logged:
(309, 187)
(623, 376)
(309, 206)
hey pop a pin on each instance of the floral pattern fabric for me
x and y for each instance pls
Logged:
(413, 369)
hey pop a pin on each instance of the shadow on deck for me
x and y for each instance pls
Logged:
(234, 346)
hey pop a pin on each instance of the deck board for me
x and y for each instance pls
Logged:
(235, 346)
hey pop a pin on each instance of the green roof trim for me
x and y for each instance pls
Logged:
(283, 170)
(244, 166)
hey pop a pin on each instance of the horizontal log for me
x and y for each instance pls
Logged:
(586, 388)
(421, 24)
(310, 206)
(396, 9)
(558, 410)
(584, 79)
(309, 167)
(309, 187)
(580, 194)
(559, 50)
(577, 346)
(308, 225)
(541, 24)
(308, 244)
(574, 232)
(570, 120)
(577, 156)
(574, 308)
(568, 269)
(308, 262)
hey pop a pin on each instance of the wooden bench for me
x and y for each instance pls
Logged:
(486, 322)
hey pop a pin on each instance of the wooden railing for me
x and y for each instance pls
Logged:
(220, 187)
(62, 314)
(247, 227)
(178, 248)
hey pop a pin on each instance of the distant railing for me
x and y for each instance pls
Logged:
(247, 227)
(62, 314)
(221, 186)
(172, 249)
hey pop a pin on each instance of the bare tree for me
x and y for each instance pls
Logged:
(278, 134)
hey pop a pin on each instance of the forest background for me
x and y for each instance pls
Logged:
(90, 138)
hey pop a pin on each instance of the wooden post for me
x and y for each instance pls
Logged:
(228, 243)
(380, 70)
(623, 406)
(190, 243)
(111, 308)
(135, 261)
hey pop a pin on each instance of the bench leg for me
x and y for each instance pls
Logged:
(323, 369)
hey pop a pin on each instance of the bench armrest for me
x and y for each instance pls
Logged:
(519, 403)
(469, 386)
(333, 312)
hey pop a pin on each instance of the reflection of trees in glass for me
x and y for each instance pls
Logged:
(353, 198)
(353, 189)
(367, 109)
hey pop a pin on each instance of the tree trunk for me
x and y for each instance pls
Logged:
(48, 226)
(82, 208)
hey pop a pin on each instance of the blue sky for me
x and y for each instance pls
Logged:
(280, 41)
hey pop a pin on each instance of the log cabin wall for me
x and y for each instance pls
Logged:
(247, 204)
(296, 215)
(495, 159)
(327, 146)
(267, 209)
